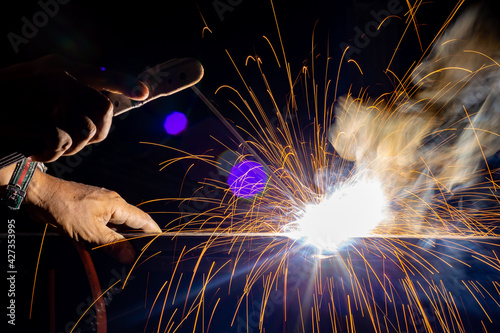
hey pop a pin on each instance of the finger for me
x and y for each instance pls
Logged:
(118, 248)
(108, 80)
(102, 118)
(50, 146)
(83, 101)
(82, 131)
(133, 217)
(44, 142)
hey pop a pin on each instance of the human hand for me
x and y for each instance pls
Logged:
(58, 105)
(86, 213)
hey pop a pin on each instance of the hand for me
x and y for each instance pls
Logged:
(56, 106)
(86, 213)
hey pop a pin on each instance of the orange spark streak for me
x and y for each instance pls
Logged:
(152, 306)
(36, 269)
(91, 305)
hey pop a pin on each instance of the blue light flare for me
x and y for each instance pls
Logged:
(175, 123)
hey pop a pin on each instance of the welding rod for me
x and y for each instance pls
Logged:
(284, 235)
(245, 143)
(134, 234)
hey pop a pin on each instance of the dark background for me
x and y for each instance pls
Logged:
(128, 37)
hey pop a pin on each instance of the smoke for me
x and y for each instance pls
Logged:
(432, 136)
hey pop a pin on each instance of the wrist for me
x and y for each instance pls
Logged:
(41, 186)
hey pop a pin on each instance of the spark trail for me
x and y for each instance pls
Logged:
(365, 237)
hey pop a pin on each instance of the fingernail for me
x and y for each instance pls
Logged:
(139, 92)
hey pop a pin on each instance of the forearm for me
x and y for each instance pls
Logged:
(41, 188)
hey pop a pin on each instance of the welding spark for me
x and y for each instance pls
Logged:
(390, 180)
(353, 209)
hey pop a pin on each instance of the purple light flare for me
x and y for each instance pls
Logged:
(247, 179)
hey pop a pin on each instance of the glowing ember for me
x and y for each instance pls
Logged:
(352, 210)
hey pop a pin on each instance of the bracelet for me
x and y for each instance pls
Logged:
(16, 190)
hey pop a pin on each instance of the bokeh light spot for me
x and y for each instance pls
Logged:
(175, 123)
(247, 179)
(226, 160)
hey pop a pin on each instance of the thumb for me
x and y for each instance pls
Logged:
(119, 248)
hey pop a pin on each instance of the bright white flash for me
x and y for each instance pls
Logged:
(354, 209)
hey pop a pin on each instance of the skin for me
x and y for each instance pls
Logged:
(59, 105)
(63, 111)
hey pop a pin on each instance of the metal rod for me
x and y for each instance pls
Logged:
(283, 235)
(245, 143)
(264, 235)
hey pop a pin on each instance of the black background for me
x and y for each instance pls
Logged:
(130, 36)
